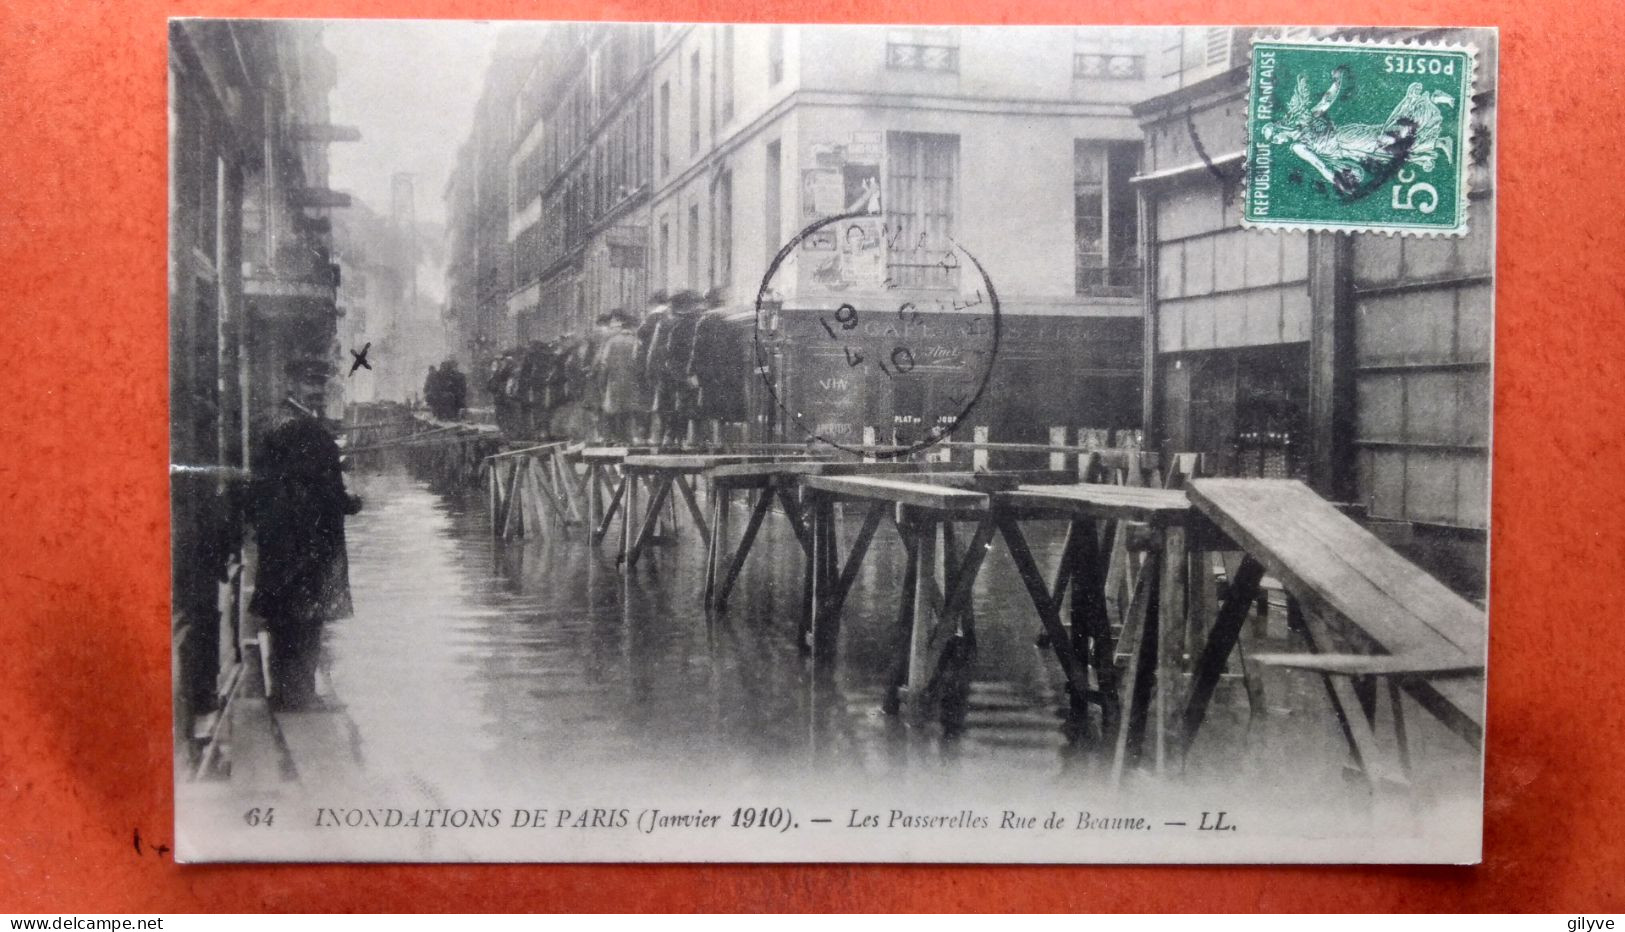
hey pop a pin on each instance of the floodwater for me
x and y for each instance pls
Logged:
(525, 656)
(485, 668)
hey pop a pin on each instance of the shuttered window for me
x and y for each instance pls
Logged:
(919, 198)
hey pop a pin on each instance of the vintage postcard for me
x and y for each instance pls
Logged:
(754, 442)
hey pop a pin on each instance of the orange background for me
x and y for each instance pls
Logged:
(84, 591)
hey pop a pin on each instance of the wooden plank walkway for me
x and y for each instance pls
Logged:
(1157, 507)
(915, 491)
(1346, 583)
(1309, 545)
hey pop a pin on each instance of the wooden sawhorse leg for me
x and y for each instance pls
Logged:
(686, 488)
(938, 609)
(1384, 769)
(1221, 641)
(657, 499)
(758, 513)
(631, 482)
(831, 585)
(595, 499)
(1140, 630)
(610, 509)
(1046, 600)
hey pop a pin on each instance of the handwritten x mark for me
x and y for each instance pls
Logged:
(361, 359)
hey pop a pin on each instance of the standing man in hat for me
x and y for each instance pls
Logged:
(297, 506)
(621, 392)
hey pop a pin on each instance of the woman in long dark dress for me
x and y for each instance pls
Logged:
(303, 579)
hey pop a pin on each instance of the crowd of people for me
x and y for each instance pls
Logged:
(659, 377)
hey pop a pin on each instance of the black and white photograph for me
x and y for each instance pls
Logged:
(753, 442)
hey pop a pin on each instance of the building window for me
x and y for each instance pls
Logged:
(921, 180)
(722, 232)
(693, 245)
(1105, 218)
(775, 54)
(640, 160)
(727, 68)
(923, 49)
(527, 256)
(664, 272)
(1108, 66)
(694, 103)
(1110, 54)
(1217, 45)
(715, 67)
(528, 178)
(665, 129)
(771, 219)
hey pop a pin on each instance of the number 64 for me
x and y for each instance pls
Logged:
(1411, 192)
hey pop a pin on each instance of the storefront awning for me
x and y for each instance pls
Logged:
(1169, 174)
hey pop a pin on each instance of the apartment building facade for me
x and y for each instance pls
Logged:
(662, 157)
(1015, 145)
(478, 196)
(580, 173)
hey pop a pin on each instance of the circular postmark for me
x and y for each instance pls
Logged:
(930, 326)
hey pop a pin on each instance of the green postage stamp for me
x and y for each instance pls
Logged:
(1358, 136)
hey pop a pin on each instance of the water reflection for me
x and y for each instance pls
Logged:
(513, 664)
(524, 654)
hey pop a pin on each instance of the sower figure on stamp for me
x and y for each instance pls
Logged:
(298, 506)
(1350, 155)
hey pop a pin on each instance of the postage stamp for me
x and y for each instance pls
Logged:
(1358, 136)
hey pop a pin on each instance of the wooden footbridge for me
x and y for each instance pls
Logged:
(1144, 611)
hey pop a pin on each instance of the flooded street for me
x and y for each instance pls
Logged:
(532, 680)
(527, 656)
(509, 664)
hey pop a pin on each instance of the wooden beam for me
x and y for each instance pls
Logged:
(1332, 427)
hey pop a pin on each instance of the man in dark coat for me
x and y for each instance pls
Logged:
(675, 343)
(455, 385)
(431, 391)
(298, 505)
(718, 367)
(531, 390)
(648, 330)
(445, 390)
(503, 370)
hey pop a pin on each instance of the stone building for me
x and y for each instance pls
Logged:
(1016, 145)
(479, 204)
(253, 314)
(580, 172)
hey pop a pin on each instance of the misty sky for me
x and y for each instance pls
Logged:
(410, 86)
